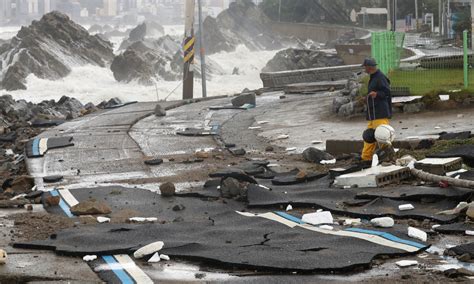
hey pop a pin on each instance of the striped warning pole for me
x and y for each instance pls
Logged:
(189, 41)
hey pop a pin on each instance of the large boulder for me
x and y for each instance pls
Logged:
(48, 48)
(143, 31)
(295, 59)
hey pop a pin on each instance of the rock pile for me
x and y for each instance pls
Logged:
(349, 103)
(243, 23)
(48, 48)
(143, 31)
(295, 59)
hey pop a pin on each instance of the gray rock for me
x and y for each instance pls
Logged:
(159, 110)
(231, 188)
(314, 155)
(246, 98)
(29, 51)
(338, 102)
(167, 189)
(112, 102)
(414, 107)
(295, 59)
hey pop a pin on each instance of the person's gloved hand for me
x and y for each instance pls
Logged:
(373, 94)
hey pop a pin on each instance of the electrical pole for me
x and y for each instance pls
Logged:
(394, 15)
(279, 11)
(202, 52)
(472, 23)
(416, 14)
(440, 17)
(189, 40)
(389, 15)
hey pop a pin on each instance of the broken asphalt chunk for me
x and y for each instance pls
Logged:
(154, 162)
(233, 173)
(148, 249)
(90, 207)
(52, 179)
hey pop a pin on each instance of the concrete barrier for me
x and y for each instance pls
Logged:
(283, 78)
(317, 32)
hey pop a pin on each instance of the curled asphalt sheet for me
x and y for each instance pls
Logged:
(37, 147)
(466, 152)
(346, 202)
(227, 239)
(144, 202)
(463, 249)
(455, 228)
(415, 193)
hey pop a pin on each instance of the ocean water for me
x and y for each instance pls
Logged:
(94, 84)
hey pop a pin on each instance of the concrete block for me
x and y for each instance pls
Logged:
(383, 222)
(339, 147)
(374, 177)
(417, 234)
(439, 166)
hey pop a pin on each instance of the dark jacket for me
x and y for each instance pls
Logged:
(381, 106)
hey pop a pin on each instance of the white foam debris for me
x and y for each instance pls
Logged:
(143, 219)
(9, 152)
(262, 122)
(352, 222)
(375, 161)
(328, 162)
(469, 233)
(88, 258)
(289, 207)
(437, 127)
(417, 234)
(383, 222)
(406, 207)
(254, 127)
(101, 219)
(148, 249)
(315, 142)
(324, 217)
(164, 257)
(291, 149)
(155, 258)
(435, 226)
(406, 263)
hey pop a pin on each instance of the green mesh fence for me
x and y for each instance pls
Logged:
(387, 48)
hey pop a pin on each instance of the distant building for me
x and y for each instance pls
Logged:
(6, 9)
(110, 8)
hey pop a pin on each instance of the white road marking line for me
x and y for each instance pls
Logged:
(68, 197)
(132, 269)
(43, 146)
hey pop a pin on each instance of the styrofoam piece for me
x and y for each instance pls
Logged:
(352, 222)
(417, 234)
(406, 207)
(444, 97)
(148, 249)
(9, 152)
(324, 217)
(262, 122)
(435, 226)
(283, 136)
(289, 207)
(143, 219)
(101, 219)
(254, 127)
(438, 161)
(469, 233)
(155, 258)
(164, 257)
(383, 222)
(406, 263)
(291, 149)
(328, 162)
(371, 177)
(88, 258)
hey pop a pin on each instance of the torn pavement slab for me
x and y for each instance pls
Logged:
(234, 240)
(37, 147)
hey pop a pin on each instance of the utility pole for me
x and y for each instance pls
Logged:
(279, 11)
(440, 17)
(394, 15)
(202, 52)
(472, 23)
(389, 15)
(189, 40)
(416, 15)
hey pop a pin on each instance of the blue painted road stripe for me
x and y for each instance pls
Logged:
(116, 268)
(35, 147)
(62, 204)
(384, 235)
(387, 236)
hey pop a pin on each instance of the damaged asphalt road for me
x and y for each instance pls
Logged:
(197, 224)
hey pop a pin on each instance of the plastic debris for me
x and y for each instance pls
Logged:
(282, 137)
(383, 222)
(417, 234)
(406, 263)
(9, 152)
(143, 219)
(328, 162)
(435, 226)
(103, 219)
(254, 127)
(164, 257)
(324, 217)
(262, 122)
(289, 207)
(326, 227)
(148, 249)
(406, 207)
(290, 149)
(88, 258)
(469, 233)
(155, 258)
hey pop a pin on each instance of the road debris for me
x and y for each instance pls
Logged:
(406, 207)
(406, 263)
(317, 218)
(148, 249)
(383, 222)
(417, 234)
(3, 256)
(88, 258)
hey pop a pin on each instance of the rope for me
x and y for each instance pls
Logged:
(435, 178)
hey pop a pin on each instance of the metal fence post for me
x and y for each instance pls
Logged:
(466, 63)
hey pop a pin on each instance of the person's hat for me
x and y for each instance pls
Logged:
(369, 62)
